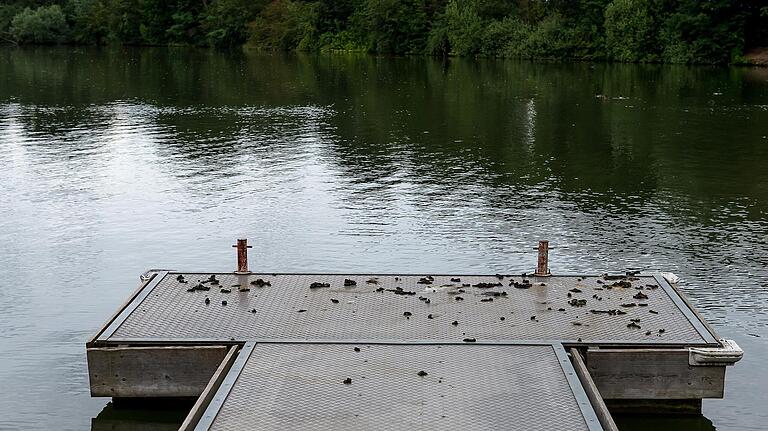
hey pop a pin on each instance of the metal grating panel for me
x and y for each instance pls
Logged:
(467, 387)
(170, 313)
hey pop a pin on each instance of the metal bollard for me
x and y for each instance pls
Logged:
(542, 265)
(242, 256)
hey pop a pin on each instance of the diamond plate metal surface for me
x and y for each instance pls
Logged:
(541, 312)
(467, 387)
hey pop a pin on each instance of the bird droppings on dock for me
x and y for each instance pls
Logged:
(260, 283)
(318, 285)
(422, 373)
(347, 381)
(349, 283)
(486, 285)
(612, 312)
(399, 291)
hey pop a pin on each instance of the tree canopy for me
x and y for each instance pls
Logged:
(673, 31)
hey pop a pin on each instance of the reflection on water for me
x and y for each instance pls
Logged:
(115, 161)
(154, 416)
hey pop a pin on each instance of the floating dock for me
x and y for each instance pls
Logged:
(387, 351)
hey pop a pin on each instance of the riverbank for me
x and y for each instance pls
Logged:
(684, 32)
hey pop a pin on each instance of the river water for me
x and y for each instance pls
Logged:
(116, 161)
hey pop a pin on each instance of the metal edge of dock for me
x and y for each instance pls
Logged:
(128, 307)
(211, 410)
(705, 331)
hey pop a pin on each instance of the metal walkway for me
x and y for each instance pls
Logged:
(400, 387)
(642, 310)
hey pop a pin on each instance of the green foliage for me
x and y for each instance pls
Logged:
(284, 25)
(7, 12)
(703, 32)
(226, 21)
(345, 40)
(465, 27)
(630, 31)
(44, 25)
(679, 31)
(392, 26)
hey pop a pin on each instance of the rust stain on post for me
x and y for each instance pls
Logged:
(242, 256)
(542, 266)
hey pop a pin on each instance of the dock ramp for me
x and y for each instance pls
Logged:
(400, 387)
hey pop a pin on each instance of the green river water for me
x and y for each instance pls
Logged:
(118, 160)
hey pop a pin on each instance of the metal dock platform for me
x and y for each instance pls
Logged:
(642, 310)
(389, 351)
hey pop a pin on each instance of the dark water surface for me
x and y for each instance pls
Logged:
(116, 161)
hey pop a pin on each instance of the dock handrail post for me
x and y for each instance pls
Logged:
(542, 265)
(242, 256)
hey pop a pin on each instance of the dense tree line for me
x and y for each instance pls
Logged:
(675, 31)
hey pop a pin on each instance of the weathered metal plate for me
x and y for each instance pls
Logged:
(542, 313)
(467, 387)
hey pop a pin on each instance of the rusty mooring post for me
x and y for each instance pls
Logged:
(242, 256)
(542, 265)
